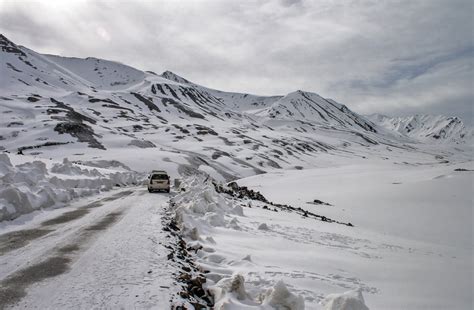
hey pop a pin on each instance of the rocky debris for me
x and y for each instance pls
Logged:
(367, 139)
(9, 65)
(183, 130)
(218, 154)
(462, 169)
(148, 102)
(182, 108)
(32, 99)
(73, 123)
(107, 100)
(203, 130)
(30, 147)
(81, 131)
(9, 47)
(319, 202)
(234, 190)
(189, 276)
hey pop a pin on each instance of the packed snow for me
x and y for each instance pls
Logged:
(102, 251)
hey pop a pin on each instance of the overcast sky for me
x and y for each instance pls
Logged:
(391, 57)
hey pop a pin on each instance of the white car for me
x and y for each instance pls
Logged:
(159, 180)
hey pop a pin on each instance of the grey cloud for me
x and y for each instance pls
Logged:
(411, 68)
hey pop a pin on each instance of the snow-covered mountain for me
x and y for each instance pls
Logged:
(98, 108)
(428, 128)
(344, 192)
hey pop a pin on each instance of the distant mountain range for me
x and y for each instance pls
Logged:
(426, 128)
(50, 102)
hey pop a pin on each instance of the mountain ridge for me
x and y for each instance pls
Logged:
(95, 107)
(426, 127)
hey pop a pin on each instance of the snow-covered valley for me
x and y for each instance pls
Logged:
(79, 230)
(411, 247)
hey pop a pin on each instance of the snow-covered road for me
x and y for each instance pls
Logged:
(101, 252)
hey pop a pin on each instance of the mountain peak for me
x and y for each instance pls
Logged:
(174, 77)
(4, 40)
(10, 47)
(304, 93)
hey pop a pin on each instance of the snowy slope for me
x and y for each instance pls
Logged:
(102, 74)
(412, 234)
(427, 128)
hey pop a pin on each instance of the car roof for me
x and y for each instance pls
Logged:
(159, 172)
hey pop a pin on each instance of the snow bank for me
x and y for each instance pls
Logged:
(31, 186)
(200, 211)
(200, 207)
(102, 163)
(279, 297)
(351, 300)
(230, 293)
(68, 168)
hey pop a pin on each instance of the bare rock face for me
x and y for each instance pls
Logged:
(143, 144)
(10, 47)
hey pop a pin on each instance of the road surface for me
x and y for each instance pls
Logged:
(101, 252)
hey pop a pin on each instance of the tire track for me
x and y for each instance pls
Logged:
(14, 287)
(21, 238)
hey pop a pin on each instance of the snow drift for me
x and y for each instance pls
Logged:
(200, 207)
(31, 186)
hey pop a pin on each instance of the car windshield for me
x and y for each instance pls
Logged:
(159, 177)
